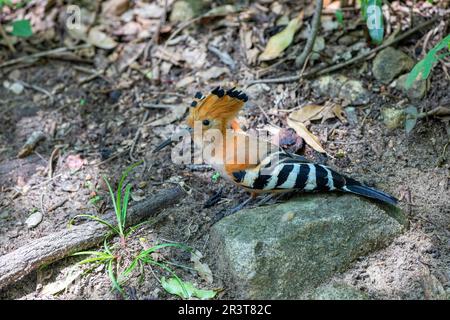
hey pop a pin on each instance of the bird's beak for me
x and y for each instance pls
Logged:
(168, 142)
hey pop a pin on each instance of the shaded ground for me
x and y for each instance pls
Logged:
(97, 122)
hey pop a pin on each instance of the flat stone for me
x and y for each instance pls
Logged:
(352, 92)
(34, 220)
(417, 91)
(337, 291)
(284, 250)
(390, 63)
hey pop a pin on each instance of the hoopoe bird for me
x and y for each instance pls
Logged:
(255, 164)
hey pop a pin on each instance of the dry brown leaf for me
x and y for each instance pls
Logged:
(31, 143)
(74, 161)
(60, 285)
(441, 111)
(174, 114)
(185, 82)
(279, 42)
(303, 132)
(100, 39)
(168, 54)
(130, 53)
(115, 7)
(339, 113)
(313, 112)
(307, 113)
(212, 73)
(202, 268)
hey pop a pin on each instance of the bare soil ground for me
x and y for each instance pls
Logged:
(96, 123)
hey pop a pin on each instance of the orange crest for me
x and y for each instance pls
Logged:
(220, 106)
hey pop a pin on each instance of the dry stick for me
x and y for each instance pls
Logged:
(299, 62)
(138, 135)
(38, 89)
(56, 246)
(6, 38)
(359, 58)
(42, 54)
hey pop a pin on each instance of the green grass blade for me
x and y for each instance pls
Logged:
(125, 205)
(135, 227)
(122, 180)
(116, 209)
(130, 268)
(95, 218)
(186, 293)
(94, 253)
(113, 279)
(105, 244)
(163, 245)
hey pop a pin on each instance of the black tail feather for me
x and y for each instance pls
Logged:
(369, 192)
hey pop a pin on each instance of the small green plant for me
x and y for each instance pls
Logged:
(20, 28)
(215, 177)
(340, 17)
(120, 204)
(422, 69)
(117, 258)
(95, 199)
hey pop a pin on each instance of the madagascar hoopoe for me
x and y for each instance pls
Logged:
(271, 171)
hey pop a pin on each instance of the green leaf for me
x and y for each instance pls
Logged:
(95, 218)
(423, 68)
(146, 252)
(339, 17)
(375, 21)
(364, 4)
(113, 278)
(215, 176)
(125, 205)
(411, 118)
(175, 286)
(22, 28)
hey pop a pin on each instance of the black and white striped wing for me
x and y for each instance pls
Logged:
(289, 173)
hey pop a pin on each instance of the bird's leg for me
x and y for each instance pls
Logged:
(265, 199)
(240, 206)
(270, 198)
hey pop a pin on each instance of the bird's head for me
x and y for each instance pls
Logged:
(215, 111)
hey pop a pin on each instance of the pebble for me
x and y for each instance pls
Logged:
(34, 220)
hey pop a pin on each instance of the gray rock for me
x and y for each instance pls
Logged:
(339, 86)
(34, 220)
(284, 250)
(389, 63)
(417, 91)
(354, 93)
(393, 118)
(337, 291)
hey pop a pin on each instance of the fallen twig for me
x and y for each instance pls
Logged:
(20, 262)
(338, 66)
(300, 61)
(57, 205)
(55, 154)
(41, 54)
(6, 39)
(138, 131)
(148, 105)
(30, 144)
(38, 89)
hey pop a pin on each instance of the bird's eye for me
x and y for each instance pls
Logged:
(206, 122)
